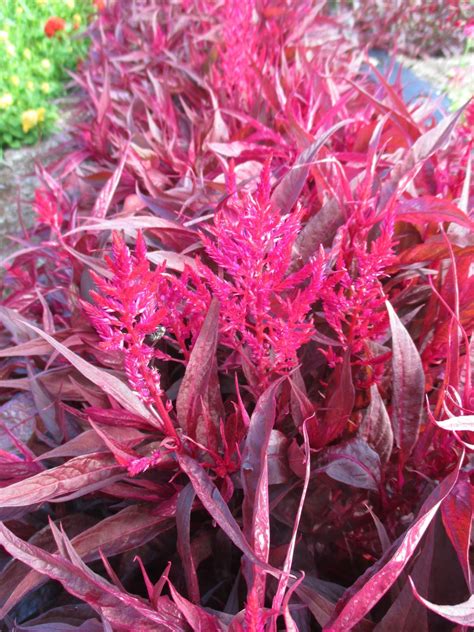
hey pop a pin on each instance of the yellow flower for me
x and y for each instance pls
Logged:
(11, 50)
(70, 4)
(3, 36)
(76, 20)
(45, 64)
(15, 80)
(45, 87)
(27, 53)
(41, 112)
(19, 10)
(5, 101)
(29, 120)
(30, 86)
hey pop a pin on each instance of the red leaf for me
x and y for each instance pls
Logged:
(75, 478)
(104, 199)
(36, 347)
(375, 427)
(254, 475)
(88, 442)
(129, 528)
(462, 613)
(18, 327)
(197, 617)
(319, 596)
(353, 463)
(183, 541)
(280, 597)
(457, 513)
(406, 613)
(424, 147)
(374, 583)
(428, 208)
(338, 408)
(199, 400)
(320, 229)
(408, 386)
(137, 223)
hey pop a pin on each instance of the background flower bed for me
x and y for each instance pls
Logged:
(285, 428)
(38, 43)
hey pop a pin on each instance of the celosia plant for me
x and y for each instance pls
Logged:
(236, 345)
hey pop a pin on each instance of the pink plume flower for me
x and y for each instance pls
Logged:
(265, 310)
(128, 309)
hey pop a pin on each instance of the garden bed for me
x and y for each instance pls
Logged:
(236, 341)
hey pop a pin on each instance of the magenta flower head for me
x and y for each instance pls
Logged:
(265, 310)
(127, 310)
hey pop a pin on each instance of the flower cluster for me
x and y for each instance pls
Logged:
(237, 55)
(134, 309)
(265, 310)
(353, 296)
(31, 118)
(53, 26)
(128, 309)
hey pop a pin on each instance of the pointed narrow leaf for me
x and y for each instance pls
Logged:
(126, 530)
(320, 230)
(408, 386)
(423, 148)
(376, 428)
(338, 408)
(406, 613)
(319, 596)
(107, 382)
(104, 199)
(199, 399)
(428, 208)
(216, 506)
(80, 475)
(461, 613)
(183, 541)
(457, 512)
(197, 617)
(254, 473)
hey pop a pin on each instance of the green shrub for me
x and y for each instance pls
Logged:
(39, 41)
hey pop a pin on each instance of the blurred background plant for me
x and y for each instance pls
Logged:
(460, 86)
(39, 41)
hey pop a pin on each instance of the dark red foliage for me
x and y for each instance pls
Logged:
(236, 346)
